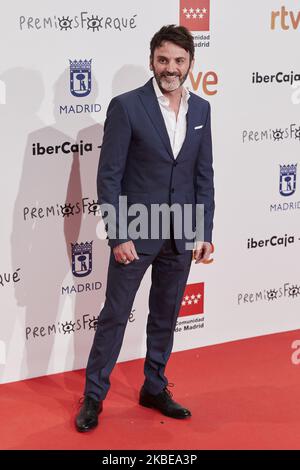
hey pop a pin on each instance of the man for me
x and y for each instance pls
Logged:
(156, 149)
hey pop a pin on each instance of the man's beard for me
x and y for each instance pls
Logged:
(170, 82)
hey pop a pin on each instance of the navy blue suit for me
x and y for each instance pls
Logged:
(137, 161)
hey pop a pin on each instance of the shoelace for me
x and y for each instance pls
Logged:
(89, 400)
(170, 384)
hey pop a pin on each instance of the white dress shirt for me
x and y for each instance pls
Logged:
(176, 128)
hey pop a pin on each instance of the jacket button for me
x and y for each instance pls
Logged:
(172, 190)
(175, 164)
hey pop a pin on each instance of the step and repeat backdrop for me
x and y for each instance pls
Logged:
(61, 64)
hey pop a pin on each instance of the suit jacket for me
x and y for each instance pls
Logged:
(136, 160)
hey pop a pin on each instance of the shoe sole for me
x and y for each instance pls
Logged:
(147, 405)
(85, 429)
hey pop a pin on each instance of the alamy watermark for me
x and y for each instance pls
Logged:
(152, 221)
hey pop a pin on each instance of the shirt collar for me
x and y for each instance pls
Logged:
(161, 97)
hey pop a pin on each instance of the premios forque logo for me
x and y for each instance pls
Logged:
(84, 324)
(287, 179)
(80, 77)
(82, 258)
(194, 15)
(68, 209)
(277, 134)
(288, 291)
(81, 20)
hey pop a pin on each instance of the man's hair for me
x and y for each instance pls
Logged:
(179, 35)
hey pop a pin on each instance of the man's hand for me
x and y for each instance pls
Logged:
(125, 252)
(202, 252)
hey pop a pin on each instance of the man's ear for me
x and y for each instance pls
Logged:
(192, 65)
(150, 63)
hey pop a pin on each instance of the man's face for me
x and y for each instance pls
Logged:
(170, 65)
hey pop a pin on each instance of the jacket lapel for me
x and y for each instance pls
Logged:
(149, 100)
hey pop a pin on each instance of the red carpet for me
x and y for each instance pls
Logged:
(243, 395)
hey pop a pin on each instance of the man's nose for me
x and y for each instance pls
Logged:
(171, 67)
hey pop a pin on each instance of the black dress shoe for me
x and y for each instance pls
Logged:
(164, 403)
(87, 417)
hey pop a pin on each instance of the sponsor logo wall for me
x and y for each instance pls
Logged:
(57, 76)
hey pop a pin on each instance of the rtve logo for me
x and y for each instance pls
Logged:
(207, 81)
(285, 19)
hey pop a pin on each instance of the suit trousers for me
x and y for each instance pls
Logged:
(170, 271)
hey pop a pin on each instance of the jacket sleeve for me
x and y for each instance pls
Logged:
(112, 163)
(205, 178)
